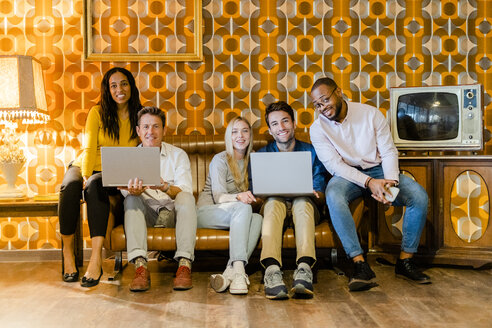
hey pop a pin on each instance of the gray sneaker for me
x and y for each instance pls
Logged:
(303, 281)
(274, 284)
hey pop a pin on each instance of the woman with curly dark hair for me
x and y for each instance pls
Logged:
(110, 123)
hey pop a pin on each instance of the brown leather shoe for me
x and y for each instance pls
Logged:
(141, 281)
(183, 278)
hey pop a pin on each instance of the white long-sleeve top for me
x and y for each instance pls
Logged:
(219, 186)
(363, 140)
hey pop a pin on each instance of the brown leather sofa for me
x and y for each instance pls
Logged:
(200, 150)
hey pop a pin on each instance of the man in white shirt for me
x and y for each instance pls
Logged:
(169, 205)
(354, 143)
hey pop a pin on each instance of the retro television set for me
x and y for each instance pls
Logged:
(437, 118)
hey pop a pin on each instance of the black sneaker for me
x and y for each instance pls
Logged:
(362, 277)
(407, 269)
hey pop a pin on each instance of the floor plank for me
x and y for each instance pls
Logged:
(33, 295)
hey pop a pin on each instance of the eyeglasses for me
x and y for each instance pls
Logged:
(321, 105)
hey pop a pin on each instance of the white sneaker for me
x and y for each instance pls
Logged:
(239, 285)
(220, 282)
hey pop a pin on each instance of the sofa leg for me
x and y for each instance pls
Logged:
(334, 256)
(118, 266)
(334, 262)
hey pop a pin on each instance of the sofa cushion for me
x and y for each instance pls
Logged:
(164, 239)
(201, 150)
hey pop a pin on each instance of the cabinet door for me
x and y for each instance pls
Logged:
(390, 218)
(465, 200)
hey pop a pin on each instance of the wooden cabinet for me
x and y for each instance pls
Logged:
(457, 229)
(464, 199)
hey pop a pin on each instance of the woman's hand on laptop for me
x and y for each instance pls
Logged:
(246, 197)
(135, 187)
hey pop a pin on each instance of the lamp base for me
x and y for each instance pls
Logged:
(7, 192)
(10, 172)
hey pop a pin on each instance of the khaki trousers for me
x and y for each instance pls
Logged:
(304, 216)
(139, 216)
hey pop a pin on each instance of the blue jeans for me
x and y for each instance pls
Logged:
(340, 192)
(244, 227)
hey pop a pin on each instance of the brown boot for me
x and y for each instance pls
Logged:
(141, 281)
(183, 278)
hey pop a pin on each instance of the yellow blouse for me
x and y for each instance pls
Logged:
(95, 138)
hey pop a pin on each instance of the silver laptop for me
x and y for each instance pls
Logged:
(120, 164)
(287, 174)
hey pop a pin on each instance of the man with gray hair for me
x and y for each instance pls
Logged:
(170, 205)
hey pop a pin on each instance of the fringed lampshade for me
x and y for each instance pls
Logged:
(22, 93)
(22, 98)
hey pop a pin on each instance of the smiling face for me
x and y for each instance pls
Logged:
(328, 102)
(281, 126)
(120, 88)
(241, 135)
(150, 130)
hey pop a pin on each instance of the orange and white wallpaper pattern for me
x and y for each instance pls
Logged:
(255, 52)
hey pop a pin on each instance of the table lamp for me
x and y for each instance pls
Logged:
(22, 99)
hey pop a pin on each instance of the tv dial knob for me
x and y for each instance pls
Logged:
(470, 107)
(470, 116)
(469, 94)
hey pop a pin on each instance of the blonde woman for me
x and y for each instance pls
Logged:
(225, 203)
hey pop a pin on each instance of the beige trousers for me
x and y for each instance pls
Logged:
(139, 215)
(304, 216)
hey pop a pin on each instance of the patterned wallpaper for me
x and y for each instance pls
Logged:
(255, 52)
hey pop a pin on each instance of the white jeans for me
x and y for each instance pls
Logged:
(139, 216)
(244, 226)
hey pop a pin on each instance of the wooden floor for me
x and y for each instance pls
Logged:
(33, 295)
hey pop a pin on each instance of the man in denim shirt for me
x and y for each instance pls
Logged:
(279, 117)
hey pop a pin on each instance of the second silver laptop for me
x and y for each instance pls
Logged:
(287, 174)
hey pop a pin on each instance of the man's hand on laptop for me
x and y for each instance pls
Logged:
(135, 187)
(168, 188)
(246, 197)
(164, 186)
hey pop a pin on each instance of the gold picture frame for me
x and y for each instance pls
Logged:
(92, 54)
